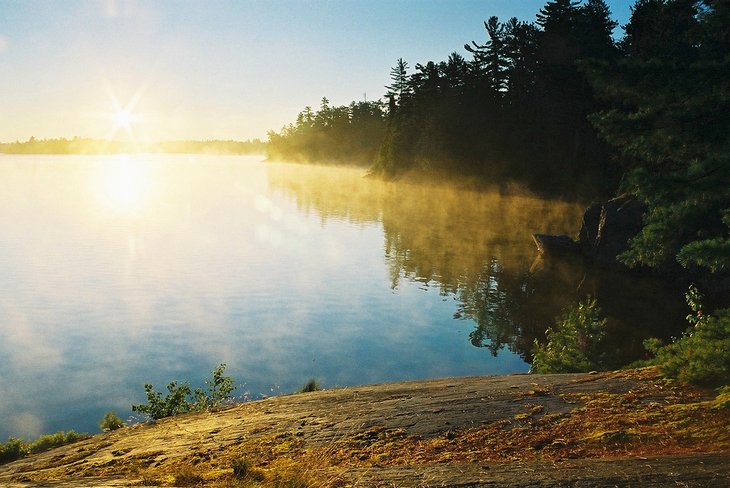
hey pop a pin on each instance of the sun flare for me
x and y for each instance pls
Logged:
(123, 113)
(124, 118)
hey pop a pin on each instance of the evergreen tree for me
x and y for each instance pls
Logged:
(671, 122)
(399, 88)
(489, 58)
(520, 45)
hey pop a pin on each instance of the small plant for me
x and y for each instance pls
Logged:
(11, 450)
(311, 385)
(174, 403)
(181, 399)
(16, 448)
(573, 345)
(702, 354)
(694, 301)
(49, 441)
(110, 422)
(220, 389)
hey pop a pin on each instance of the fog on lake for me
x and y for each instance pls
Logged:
(121, 270)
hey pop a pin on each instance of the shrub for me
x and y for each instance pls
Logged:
(311, 385)
(219, 391)
(111, 422)
(16, 448)
(702, 354)
(49, 441)
(181, 399)
(11, 450)
(573, 346)
(174, 403)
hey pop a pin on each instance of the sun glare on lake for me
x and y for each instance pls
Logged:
(123, 183)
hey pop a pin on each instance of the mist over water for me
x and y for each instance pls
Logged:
(121, 270)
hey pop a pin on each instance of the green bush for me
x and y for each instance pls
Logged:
(11, 450)
(174, 403)
(573, 346)
(702, 354)
(219, 391)
(111, 422)
(181, 399)
(311, 385)
(16, 448)
(49, 441)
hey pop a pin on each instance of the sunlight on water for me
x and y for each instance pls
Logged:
(124, 183)
(116, 271)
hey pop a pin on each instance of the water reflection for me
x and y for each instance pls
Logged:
(477, 247)
(209, 266)
(123, 183)
(512, 308)
(116, 272)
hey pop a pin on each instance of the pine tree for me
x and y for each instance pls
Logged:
(490, 58)
(399, 89)
(671, 122)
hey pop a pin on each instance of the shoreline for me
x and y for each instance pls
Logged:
(440, 432)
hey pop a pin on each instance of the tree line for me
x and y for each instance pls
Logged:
(562, 107)
(82, 145)
(516, 110)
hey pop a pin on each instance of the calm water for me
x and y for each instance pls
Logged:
(116, 271)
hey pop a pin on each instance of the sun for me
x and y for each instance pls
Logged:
(124, 118)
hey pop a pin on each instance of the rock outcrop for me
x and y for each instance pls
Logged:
(605, 233)
(608, 227)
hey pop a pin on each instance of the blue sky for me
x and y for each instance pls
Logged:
(216, 69)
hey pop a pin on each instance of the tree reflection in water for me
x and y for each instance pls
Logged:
(476, 246)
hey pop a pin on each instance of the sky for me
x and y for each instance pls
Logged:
(214, 69)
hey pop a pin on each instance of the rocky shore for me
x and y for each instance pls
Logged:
(629, 428)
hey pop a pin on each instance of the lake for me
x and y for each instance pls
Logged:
(121, 270)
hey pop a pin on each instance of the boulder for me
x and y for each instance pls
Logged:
(608, 227)
(605, 233)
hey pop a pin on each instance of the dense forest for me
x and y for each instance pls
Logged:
(79, 145)
(560, 106)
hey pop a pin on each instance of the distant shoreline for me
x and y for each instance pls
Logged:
(84, 146)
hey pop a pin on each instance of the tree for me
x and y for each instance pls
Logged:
(595, 31)
(399, 88)
(454, 72)
(671, 122)
(520, 45)
(426, 82)
(490, 58)
(660, 29)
